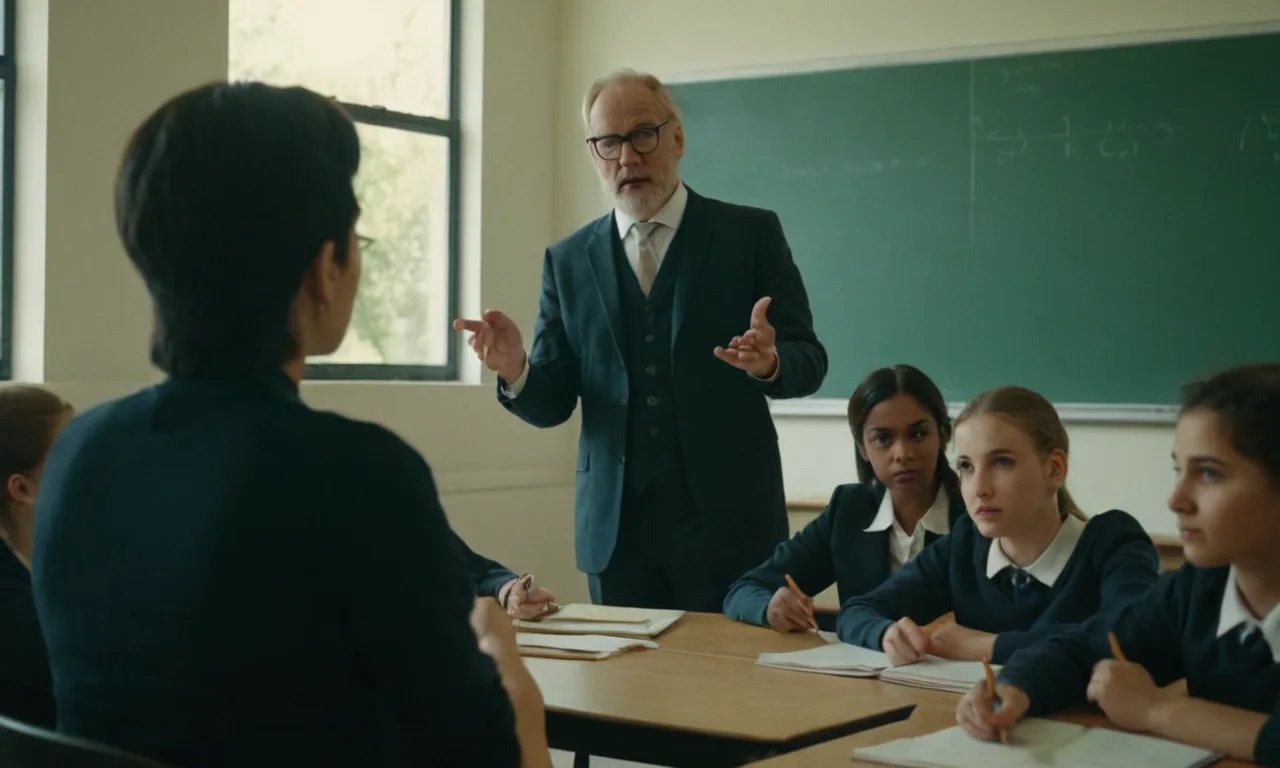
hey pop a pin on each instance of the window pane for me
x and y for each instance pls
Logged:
(402, 308)
(384, 53)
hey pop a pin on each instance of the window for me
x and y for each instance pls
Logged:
(393, 64)
(7, 35)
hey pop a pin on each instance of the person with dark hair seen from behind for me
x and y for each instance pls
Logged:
(224, 575)
(907, 496)
(30, 420)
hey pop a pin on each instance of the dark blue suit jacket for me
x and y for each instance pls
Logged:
(835, 547)
(26, 690)
(732, 256)
(228, 577)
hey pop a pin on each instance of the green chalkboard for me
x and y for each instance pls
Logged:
(1100, 225)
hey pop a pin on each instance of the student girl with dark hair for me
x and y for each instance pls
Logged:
(30, 420)
(1215, 621)
(906, 498)
(1025, 563)
(224, 575)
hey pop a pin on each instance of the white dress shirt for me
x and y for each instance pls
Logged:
(902, 545)
(1234, 613)
(1051, 562)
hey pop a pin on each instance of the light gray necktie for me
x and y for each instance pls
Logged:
(646, 254)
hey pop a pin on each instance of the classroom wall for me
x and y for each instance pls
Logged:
(91, 70)
(1112, 465)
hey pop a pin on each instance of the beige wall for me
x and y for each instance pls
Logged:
(1124, 466)
(90, 72)
(91, 69)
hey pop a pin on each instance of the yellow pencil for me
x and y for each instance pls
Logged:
(1115, 647)
(795, 590)
(991, 689)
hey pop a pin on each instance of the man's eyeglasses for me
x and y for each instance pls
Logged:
(643, 140)
(364, 242)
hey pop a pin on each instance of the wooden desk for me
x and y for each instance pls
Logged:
(716, 635)
(926, 719)
(682, 708)
(933, 715)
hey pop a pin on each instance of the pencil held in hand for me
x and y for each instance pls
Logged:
(808, 604)
(1116, 651)
(991, 689)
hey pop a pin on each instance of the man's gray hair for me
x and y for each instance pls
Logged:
(624, 77)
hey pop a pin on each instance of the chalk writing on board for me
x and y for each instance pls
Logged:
(1264, 131)
(1112, 140)
(1022, 71)
(860, 168)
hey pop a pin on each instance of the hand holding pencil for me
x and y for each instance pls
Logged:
(790, 609)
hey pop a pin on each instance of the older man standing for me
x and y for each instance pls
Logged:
(673, 319)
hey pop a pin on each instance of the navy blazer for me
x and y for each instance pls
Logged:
(1112, 564)
(487, 575)
(835, 547)
(26, 690)
(228, 577)
(731, 256)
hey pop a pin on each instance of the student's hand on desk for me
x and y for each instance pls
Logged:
(950, 640)
(1126, 693)
(788, 613)
(981, 720)
(753, 351)
(497, 342)
(904, 642)
(523, 603)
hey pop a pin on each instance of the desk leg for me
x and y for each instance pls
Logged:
(581, 760)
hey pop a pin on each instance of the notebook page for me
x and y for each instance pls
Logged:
(835, 656)
(625, 629)
(613, 614)
(1105, 748)
(588, 643)
(1030, 744)
(941, 674)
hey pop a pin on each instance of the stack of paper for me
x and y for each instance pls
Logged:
(938, 674)
(832, 659)
(1036, 742)
(587, 619)
(586, 647)
(852, 661)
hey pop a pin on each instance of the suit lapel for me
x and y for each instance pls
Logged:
(695, 229)
(605, 272)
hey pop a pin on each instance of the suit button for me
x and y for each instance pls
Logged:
(652, 400)
(653, 431)
(652, 370)
(623, 403)
(648, 337)
(622, 459)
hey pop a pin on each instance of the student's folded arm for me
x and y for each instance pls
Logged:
(1266, 748)
(921, 591)
(806, 557)
(1055, 672)
(407, 600)
(488, 575)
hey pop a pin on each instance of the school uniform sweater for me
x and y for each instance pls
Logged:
(487, 575)
(1089, 568)
(1189, 625)
(844, 545)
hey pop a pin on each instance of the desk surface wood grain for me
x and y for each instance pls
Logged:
(926, 719)
(714, 695)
